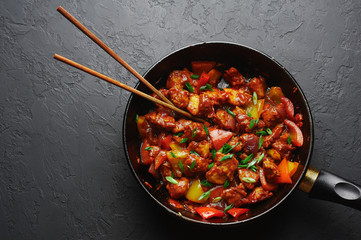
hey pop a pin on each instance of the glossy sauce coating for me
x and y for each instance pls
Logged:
(240, 157)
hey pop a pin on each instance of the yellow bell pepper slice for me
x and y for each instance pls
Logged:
(195, 191)
(255, 109)
(292, 167)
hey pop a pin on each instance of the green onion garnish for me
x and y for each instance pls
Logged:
(173, 155)
(171, 180)
(260, 158)
(217, 199)
(225, 148)
(136, 118)
(148, 148)
(229, 148)
(242, 165)
(261, 133)
(224, 158)
(194, 76)
(189, 87)
(194, 152)
(260, 143)
(226, 184)
(251, 124)
(206, 183)
(205, 195)
(254, 161)
(207, 87)
(248, 180)
(228, 207)
(289, 141)
(230, 112)
(247, 159)
(181, 166)
(192, 165)
(194, 132)
(269, 131)
(249, 114)
(254, 98)
(257, 121)
(253, 168)
(206, 129)
(210, 165)
(213, 151)
(184, 140)
(179, 134)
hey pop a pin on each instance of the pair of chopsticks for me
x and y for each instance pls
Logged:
(164, 101)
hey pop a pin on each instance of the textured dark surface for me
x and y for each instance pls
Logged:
(63, 173)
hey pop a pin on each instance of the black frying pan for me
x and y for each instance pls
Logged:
(319, 184)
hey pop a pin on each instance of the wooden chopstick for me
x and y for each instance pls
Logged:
(87, 32)
(126, 87)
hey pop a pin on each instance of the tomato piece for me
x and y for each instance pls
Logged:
(236, 212)
(295, 132)
(284, 172)
(203, 80)
(145, 153)
(266, 185)
(290, 110)
(159, 159)
(165, 142)
(219, 137)
(209, 212)
(202, 66)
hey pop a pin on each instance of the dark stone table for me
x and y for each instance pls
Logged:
(63, 173)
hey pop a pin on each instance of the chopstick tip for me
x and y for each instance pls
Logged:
(57, 56)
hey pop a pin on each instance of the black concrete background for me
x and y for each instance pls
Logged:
(63, 173)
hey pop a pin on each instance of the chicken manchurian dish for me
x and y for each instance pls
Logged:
(239, 157)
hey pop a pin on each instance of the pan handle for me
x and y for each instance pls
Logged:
(323, 185)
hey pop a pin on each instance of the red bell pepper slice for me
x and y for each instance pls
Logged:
(290, 110)
(295, 132)
(209, 212)
(284, 172)
(202, 66)
(203, 80)
(236, 212)
(219, 137)
(266, 185)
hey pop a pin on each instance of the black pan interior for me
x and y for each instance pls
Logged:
(246, 60)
